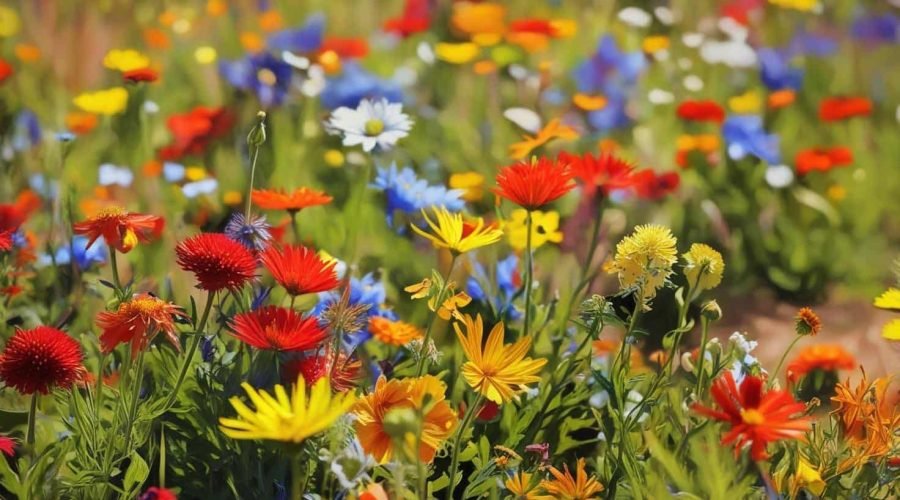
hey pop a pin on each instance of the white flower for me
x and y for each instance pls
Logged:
(633, 16)
(779, 176)
(379, 123)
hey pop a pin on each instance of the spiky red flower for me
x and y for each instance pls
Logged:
(822, 159)
(296, 200)
(652, 186)
(299, 270)
(533, 184)
(344, 375)
(6, 242)
(278, 329)
(147, 75)
(40, 359)
(757, 417)
(841, 108)
(217, 261)
(602, 173)
(701, 111)
(120, 229)
(8, 445)
(137, 321)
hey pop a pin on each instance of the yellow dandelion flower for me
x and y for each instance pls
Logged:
(495, 369)
(521, 486)
(454, 233)
(103, 102)
(288, 419)
(544, 229)
(125, 60)
(470, 183)
(703, 267)
(644, 259)
(393, 332)
(565, 487)
(205, 55)
(456, 53)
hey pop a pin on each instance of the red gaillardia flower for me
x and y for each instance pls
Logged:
(299, 270)
(343, 375)
(822, 159)
(533, 184)
(701, 111)
(823, 357)
(840, 108)
(602, 173)
(217, 261)
(296, 200)
(120, 229)
(652, 186)
(137, 322)
(278, 329)
(195, 130)
(8, 445)
(757, 417)
(147, 75)
(40, 359)
(6, 242)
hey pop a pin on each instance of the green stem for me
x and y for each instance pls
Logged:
(595, 233)
(299, 477)
(438, 304)
(529, 274)
(195, 342)
(784, 356)
(454, 461)
(704, 337)
(115, 270)
(98, 398)
(136, 380)
(32, 416)
(295, 227)
(250, 188)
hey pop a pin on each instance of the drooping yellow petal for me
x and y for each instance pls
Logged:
(890, 299)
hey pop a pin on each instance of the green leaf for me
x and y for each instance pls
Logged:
(136, 474)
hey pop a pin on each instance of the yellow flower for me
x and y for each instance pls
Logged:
(419, 290)
(644, 260)
(653, 44)
(749, 102)
(103, 102)
(589, 102)
(889, 300)
(471, 184)
(521, 486)
(451, 305)
(544, 228)
(803, 5)
(456, 53)
(205, 55)
(891, 330)
(393, 332)
(125, 60)
(565, 487)
(553, 130)
(496, 370)
(703, 267)
(289, 419)
(458, 235)
(478, 18)
(9, 22)
(807, 477)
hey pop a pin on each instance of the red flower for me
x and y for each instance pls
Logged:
(701, 111)
(299, 270)
(533, 25)
(278, 328)
(298, 199)
(822, 159)
(823, 357)
(840, 108)
(40, 359)
(604, 173)
(6, 242)
(120, 229)
(8, 445)
(156, 493)
(217, 261)
(343, 376)
(533, 184)
(346, 48)
(13, 215)
(196, 130)
(6, 70)
(140, 75)
(757, 417)
(650, 186)
(413, 20)
(137, 322)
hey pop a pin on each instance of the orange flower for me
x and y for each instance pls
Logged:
(565, 487)
(147, 75)
(278, 328)
(393, 332)
(822, 159)
(27, 52)
(156, 38)
(533, 184)
(120, 229)
(81, 123)
(270, 20)
(553, 130)
(298, 199)
(807, 322)
(478, 18)
(781, 98)
(299, 269)
(868, 419)
(840, 108)
(137, 322)
(822, 357)
(602, 173)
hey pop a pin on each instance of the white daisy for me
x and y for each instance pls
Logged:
(373, 123)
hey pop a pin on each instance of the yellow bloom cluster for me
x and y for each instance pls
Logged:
(644, 260)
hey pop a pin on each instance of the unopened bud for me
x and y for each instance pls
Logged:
(711, 311)
(257, 135)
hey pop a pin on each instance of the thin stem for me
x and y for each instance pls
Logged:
(115, 270)
(137, 380)
(250, 188)
(595, 233)
(783, 358)
(98, 401)
(704, 337)
(195, 342)
(295, 226)
(529, 274)
(32, 416)
(439, 303)
(454, 462)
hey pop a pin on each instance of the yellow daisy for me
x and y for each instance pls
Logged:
(452, 232)
(103, 102)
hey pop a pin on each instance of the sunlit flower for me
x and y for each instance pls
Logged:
(470, 183)
(476, 19)
(601, 173)
(145, 75)
(565, 487)
(300, 270)
(589, 102)
(120, 229)
(890, 300)
(554, 129)
(703, 267)
(868, 418)
(9, 22)
(278, 328)
(521, 486)
(533, 184)
(393, 332)
(287, 418)
(544, 229)
(424, 394)
(821, 357)
(194, 131)
(217, 261)
(39, 360)
(748, 102)
(781, 98)
(138, 321)
(757, 417)
(496, 370)
(103, 102)
(807, 322)
(453, 232)
(644, 260)
(456, 53)
(294, 201)
(372, 124)
(808, 478)
(802, 5)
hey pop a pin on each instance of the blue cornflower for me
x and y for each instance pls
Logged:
(404, 191)
(355, 84)
(776, 71)
(267, 76)
(877, 28)
(744, 135)
(26, 131)
(253, 234)
(507, 280)
(612, 73)
(305, 38)
(84, 257)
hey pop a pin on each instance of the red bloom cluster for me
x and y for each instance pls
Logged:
(822, 357)
(40, 359)
(299, 270)
(757, 417)
(194, 131)
(7, 445)
(841, 108)
(344, 375)
(278, 328)
(146, 75)
(120, 229)
(652, 186)
(822, 159)
(414, 19)
(217, 261)
(6, 241)
(533, 184)
(701, 111)
(346, 48)
(602, 173)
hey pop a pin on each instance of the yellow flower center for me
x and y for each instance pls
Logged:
(374, 126)
(146, 306)
(266, 76)
(752, 417)
(130, 240)
(110, 212)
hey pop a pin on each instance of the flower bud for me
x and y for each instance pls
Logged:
(257, 135)
(711, 311)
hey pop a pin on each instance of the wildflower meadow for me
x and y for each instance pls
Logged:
(452, 249)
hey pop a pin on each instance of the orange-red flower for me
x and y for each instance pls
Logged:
(194, 131)
(8, 445)
(757, 417)
(137, 322)
(40, 359)
(6, 241)
(346, 48)
(278, 328)
(533, 184)
(701, 111)
(344, 374)
(602, 173)
(120, 229)
(299, 270)
(822, 159)
(6, 70)
(296, 200)
(807, 322)
(415, 18)
(840, 108)
(217, 261)
(652, 186)
(393, 332)
(823, 357)
(147, 75)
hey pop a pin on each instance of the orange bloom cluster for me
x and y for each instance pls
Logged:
(294, 201)
(822, 357)
(868, 418)
(841, 108)
(701, 111)
(822, 159)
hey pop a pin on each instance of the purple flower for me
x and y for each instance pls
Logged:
(306, 38)
(253, 234)
(875, 28)
(268, 77)
(776, 71)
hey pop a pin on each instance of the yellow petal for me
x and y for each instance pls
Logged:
(892, 330)
(890, 299)
(457, 53)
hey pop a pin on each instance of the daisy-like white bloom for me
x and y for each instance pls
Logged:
(372, 124)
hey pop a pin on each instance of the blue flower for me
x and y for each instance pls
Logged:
(884, 28)
(267, 76)
(745, 135)
(507, 280)
(84, 257)
(306, 38)
(253, 234)
(776, 72)
(811, 44)
(612, 73)
(355, 84)
(208, 348)
(404, 191)
(27, 131)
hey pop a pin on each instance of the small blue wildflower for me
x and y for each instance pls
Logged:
(507, 280)
(26, 131)
(253, 234)
(776, 71)
(305, 38)
(875, 28)
(355, 84)
(266, 76)
(405, 192)
(260, 297)
(612, 73)
(744, 135)
(208, 348)
(84, 257)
